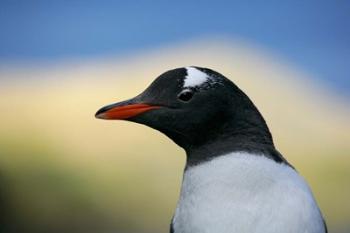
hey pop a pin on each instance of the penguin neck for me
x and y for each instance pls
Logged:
(244, 132)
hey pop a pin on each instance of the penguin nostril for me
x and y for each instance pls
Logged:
(185, 95)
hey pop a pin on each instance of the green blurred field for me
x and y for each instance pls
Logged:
(62, 170)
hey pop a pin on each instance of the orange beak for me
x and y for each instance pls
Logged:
(121, 112)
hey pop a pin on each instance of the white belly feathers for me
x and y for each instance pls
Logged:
(240, 192)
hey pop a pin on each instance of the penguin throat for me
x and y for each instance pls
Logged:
(243, 136)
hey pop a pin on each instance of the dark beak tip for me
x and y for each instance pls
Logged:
(99, 114)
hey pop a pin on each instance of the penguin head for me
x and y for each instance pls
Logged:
(193, 106)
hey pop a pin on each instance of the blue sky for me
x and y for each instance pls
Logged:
(314, 35)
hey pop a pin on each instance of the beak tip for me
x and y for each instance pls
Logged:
(100, 114)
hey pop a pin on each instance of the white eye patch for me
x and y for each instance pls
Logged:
(194, 77)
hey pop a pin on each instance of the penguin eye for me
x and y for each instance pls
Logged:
(185, 95)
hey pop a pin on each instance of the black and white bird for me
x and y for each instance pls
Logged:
(234, 180)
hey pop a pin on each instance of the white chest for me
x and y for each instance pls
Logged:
(242, 193)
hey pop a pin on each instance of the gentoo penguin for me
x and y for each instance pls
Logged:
(234, 180)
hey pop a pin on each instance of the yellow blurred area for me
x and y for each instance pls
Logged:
(63, 170)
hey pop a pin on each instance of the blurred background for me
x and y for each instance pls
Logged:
(62, 170)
